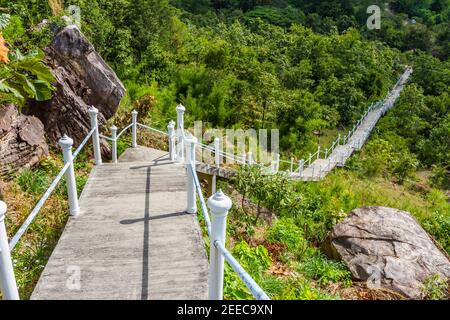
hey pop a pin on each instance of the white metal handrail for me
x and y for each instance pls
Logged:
(106, 137)
(6, 268)
(152, 129)
(23, 228)
(216, 269)
(202, 199)
(254, 288)
(380, 107)
(124, 130)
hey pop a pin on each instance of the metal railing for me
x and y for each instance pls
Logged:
(176, 142)
(8, 284)
(219, 205)
(380, 108)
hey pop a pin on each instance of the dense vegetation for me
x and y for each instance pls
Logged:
(308, 68)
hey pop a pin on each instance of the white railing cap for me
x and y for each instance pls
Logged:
(180, 108)
(93, 110)
(219, 203)
(190, 139)
(65, 142)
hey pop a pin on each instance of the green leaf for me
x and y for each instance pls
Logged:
(4, 20)
(43, 90)
(4, 87)
(25, 83)
(35, 66)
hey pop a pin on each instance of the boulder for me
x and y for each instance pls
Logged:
(83, 79)
(22, 141)
(388, 248)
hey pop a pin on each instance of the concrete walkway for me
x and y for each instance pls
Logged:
(133, 239)
(319, 168)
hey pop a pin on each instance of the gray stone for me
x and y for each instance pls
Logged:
(387, 247)
(22, 141)
(83, 79)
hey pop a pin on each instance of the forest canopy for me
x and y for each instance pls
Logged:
(303, 67)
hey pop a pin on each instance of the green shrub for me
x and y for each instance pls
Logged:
(440, 177)
(300, 289)
(316, 266)
(435, 288)
(233, 287)
(285, 231)
(254, 260)
(33, 181)
(438, 225)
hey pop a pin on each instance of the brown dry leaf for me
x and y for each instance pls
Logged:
(279, 269)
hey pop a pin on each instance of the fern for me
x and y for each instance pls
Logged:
(4, 20)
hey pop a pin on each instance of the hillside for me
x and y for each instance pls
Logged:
(309, 69)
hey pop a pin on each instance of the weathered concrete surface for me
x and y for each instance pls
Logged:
(133, 239)
(388, 246)
(209, 169)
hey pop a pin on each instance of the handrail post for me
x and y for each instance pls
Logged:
(66, 144)
(292, 164)
(93, 112)
(244, 158)
(326, 153)
(217, 152)
(339, 139)
(277, 162)
(171, 135)
(318, 152)
(134, 114)
(250, 158)
(219, 204)
(309, 160)
(180, 131)
(217, 164)
(191, 143)
(8, 285)
(300, 167)
(114, 143)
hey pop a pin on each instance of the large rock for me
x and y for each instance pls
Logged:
(22, 142)
(387, 247)
(83, 79)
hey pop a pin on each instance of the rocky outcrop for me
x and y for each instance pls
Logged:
(22, 142)
(83, 79)
(387, 248)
